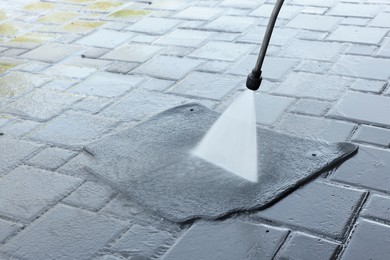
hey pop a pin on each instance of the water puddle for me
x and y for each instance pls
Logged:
(231, 142)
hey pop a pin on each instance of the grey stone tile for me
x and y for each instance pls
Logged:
(73, 129)
(315, 128)
(269, 108)
(60, 84)
(198, 13)
(359, 49)
(287, 12)
(132, 53)
(311, 107)
(355, 21)
(369, 168)
(226, 51)
(141, 104)
(64, 233)
(26, 192)
(227, 23)
(314, 10)
(308, 85)
(94, 53)
(315, 50)
(26, 81)
(280, 37)
(369, 241)
(357, 34)
(41, 104)
(14, 152)
(105, 38)
(373, 135)
(215, 66)
(76, 72)
(381, 20)
(19, 128)
(152, 25)
(121, 67)
(168, 67)
(378, 207)
(354, 10)
(206, 85)
(243, 4)
(105, 84)
(187, 38)
(142, 241)
(227, 240)
(51, 52)
(323, 208)
(368, 85)
(365, 108)
(384, 50)
(273, 68)
(301, 246)
(363, 67)
(314, 66)
(92, 104)
(7, 229)
(51, 158)
(90, 195)
(76, 166)
(323, 3)
(157, 84)
(314, 22)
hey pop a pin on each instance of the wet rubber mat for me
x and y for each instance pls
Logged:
(152, 164)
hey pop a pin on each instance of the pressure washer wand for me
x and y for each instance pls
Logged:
(254, 79)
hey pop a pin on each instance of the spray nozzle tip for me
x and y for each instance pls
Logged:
(253, 80)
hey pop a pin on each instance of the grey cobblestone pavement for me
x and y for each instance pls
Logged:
(73, 71)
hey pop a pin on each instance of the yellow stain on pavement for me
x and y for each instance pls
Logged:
(104, 6)
(2, 15)
(7, 29)
(6, 66)
(39, 6)
(81, 26)
(57, 18)
(129, 13)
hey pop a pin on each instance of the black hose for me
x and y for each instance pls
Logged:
(254, 78)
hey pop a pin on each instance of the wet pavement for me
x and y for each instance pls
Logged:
(74, 71)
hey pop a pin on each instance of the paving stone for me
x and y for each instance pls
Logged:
(19, 127)
(314, 10)
(312, 35)
(287, 12)
(373, 135)
(314, 22)
(381, 20)
(33, 66)
(188, 38)
(354, 10)
(232, 239)
(365, 108)
(323, 208)
(168, 67)
(315, 50)
(60, 70)
(280, 36)
(90, 195)
(51, 52)
(60, 84)
(244, 4)
(355, 21)
(315, 128)
(51, 158)
(366, 35)
(314, 66)
(57, 18)
(384, 50)
(25, 82)
(368, 85)
(132, 53)
(15, 152)
(301, 246)
(269, 108)
(141, 104)
(308, 85)
(273, 68)
(7, 229)
(41, 104)
(323, 3)
(369, 241)
(157, 84)
(227, 23)
(215, 66)
(54, 236)
(73, 129)
(26, 192)
(105, 38)
(121, 67)
(227, 51)
(378, 207)
(369, 168)
(76, 166)
(142, 241)
(311, 107)
(206, 85)
(362, 67)
(359, 49)
(198, 13)
(106, 84)
(92, 104)
(94, 53)
(152, 25)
